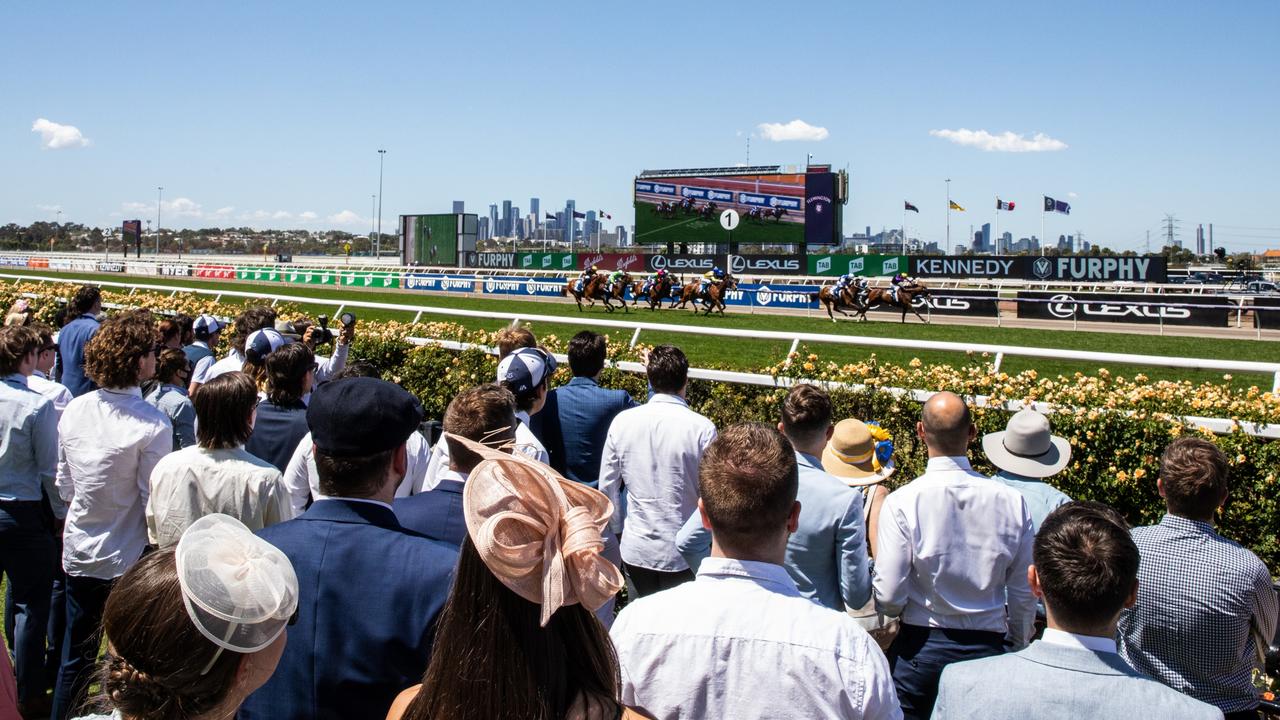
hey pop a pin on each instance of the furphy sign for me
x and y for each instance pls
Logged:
(429, 281)
(1045, 269)
(776, 296)
(765, 264)
(539, 287)
(1126, 308)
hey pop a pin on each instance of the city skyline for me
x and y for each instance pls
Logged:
(272, 128)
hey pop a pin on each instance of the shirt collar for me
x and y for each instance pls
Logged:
(807, 459)
(16, 379)
(766, 573)
(451, 474)
(37, 373)
(1005, 474)
(580, 380)
(1084, 642)
(1177, 522)
(369, 501)
(202, 344)
(523, 417)
(134, 391)
(950, 463)
(670, 399)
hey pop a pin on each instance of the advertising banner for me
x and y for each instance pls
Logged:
(969, 303)
(13, 261)
(140, 268)
(519, 261)
(776, 296)
(766, 264)
(38, 262)
(1044, 269)
(533, 287)
(89, 265)
(110, 266)
(59, 264)
(1126, 308)
(438, 282)
(1267, 319)
(305, 277)
(176, 270)
(696, 264)
(820, 222)
(864, 265)
(215, 272)
(370, 279)
(627, 262)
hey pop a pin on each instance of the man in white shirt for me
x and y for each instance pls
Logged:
(953, 545)
(741, 641)
(109, 441)
(526, 372)
(216, 475)
(1086, 571)
(254, 318)
(202, 352)
(651, 455)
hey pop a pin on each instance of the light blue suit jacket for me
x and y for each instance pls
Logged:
(827, 554)
(1052, 682)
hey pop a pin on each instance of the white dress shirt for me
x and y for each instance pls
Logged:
(233, 362)
(1092, 643)
(741, 642)
(200, 373)
(652, 452)
(109, 441)
(302, 482)
(193, 482)
(951, 544)
(438, 463)
(527, 443)
(55, 391)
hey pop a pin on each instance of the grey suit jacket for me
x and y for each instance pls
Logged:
(1048, 682)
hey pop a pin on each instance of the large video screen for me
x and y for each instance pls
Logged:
(776, 208)
(437, 239)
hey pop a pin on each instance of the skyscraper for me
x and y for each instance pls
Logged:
(589, 226)
(495, 230)
(987, 245)
(535, 209)
(459, 207)
(506, 219)
(570, 234)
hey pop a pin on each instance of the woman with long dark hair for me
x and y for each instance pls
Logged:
(518, 637)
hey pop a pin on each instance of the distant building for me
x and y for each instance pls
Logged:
(483, 231)
(495, 230)
(621, 232)
(506, 218)
(570, 234)
(459, 207)
(1006, 243)
(535, 208)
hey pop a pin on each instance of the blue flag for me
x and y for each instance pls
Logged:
(1051, 205)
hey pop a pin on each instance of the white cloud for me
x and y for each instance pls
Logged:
(308, 216)
(1072, 195)
(1006, 141)
(49, 208)
(795, 130)
(223, 212)
(181, 208)
(281, 215)
(346, 217)
(55, 136)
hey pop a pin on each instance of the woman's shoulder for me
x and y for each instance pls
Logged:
(402, 702)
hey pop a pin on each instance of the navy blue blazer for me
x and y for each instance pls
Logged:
(574, 423)
(277, 432)
(369, 595)
(436, 513)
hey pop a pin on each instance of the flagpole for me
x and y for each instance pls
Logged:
(1044, 241)
(997, 248)
(948, 216)
(904, 228)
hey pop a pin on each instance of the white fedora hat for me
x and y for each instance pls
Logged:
(1026, 447)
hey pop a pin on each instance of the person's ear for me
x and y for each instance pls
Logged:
(781, 429)
(1160, 486)
(400, 462)
(831, 430)
(702, 513)
(973, 431)
(1133, 595)
(1033, 579)
(793, 520)
(920, 430)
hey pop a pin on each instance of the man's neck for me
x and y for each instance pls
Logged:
(941, 454)
(1108, 631)
(775, 555)
(1207, 521)
(812, 449)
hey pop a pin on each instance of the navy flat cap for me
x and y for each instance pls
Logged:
(360, 416)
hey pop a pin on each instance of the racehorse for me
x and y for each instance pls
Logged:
(659, 291)
(595, 290)
(906, 295)
(707, 211)
(712, 299)
(665, 209)
(777, 213)
(847, 298)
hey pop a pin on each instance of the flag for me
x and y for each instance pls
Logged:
(955, 205)
(1002, 205)
(909, 206)
(550, 216)
(605, 215)
(1051, 205)
(579, 216)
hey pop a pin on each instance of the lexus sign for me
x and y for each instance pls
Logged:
(1126, 308)
(765, 264)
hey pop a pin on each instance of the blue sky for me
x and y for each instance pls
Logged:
(270, 114)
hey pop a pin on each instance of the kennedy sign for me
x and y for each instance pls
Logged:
(1045, 269)
(1126, 308)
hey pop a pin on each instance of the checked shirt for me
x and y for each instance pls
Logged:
(1201, 601)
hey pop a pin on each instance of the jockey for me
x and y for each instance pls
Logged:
(585, 277)
(612, 281)
(709, 277)
(844, 281)
(901, 280)
(652, 280)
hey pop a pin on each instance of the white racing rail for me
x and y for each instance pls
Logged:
(998, 352)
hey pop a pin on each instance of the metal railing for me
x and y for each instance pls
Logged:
(998, 352)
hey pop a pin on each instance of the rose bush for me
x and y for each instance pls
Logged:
(1118, 426)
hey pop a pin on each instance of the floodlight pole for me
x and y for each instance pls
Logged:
(377, 252)
(948, 216)
(159, 198)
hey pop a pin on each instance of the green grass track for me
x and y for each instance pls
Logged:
(746, 354)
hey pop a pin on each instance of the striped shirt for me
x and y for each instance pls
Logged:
(1202, 600)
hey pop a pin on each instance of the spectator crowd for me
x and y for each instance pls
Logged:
(201, 519)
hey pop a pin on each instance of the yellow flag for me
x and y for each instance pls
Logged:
(954, 206)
